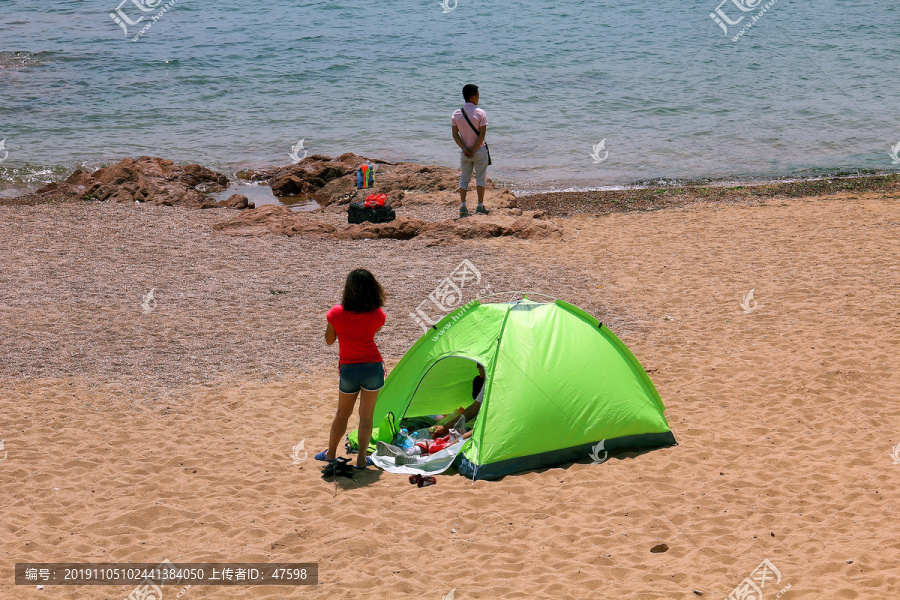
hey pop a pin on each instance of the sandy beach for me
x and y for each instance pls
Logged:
(136, 435)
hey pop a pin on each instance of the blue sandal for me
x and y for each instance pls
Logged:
(321, 456)
(369, 463)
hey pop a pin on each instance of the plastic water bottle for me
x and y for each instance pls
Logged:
(401, 438)
(410, 441)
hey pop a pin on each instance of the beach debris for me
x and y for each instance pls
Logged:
(698, 593)
(659, 548)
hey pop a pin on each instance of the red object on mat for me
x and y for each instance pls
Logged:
(375, 200)
(435, 445)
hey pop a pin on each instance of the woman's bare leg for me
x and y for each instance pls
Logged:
(346, 402)
(367, 401)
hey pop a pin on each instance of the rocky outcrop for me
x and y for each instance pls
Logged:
(309, 175)
(428, 191)
(327, 180)
(479, 227)
(146, 179)
(276, 219)
(402, 228)
(281, 220)
(331, 180)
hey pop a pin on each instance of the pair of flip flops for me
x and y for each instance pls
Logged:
(340, 466)
(421, 481)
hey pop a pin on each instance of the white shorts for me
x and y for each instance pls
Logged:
(478, 163)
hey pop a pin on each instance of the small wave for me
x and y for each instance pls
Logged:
(28, 173)
(21, 59)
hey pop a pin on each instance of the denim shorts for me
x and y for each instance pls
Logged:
(366, 376)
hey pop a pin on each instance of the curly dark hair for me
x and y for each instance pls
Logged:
(362, 292)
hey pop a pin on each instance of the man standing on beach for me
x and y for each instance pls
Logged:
(469, 128)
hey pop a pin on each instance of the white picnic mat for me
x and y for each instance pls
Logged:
(431, 464)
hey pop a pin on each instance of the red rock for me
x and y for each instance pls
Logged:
(307, 176)
(289, 185)
(202, 179)
(493, 226)
(146, 179)
(276, 219)
(79, 177)
(402, 228)
(238, 201)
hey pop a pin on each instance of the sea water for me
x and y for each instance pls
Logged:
(578, 94)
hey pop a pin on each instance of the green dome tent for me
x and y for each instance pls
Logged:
(558, 383)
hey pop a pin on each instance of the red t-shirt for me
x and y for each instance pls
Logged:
(356, 334)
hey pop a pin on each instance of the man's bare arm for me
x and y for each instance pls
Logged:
(480, 136)
(458, 138)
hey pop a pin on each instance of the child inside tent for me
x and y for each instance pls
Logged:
(446, 432)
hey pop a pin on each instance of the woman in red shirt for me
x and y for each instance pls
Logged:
(354, 323)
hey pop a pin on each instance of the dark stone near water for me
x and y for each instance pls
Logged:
(289, 185)
(238, 201)
(307, 176)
